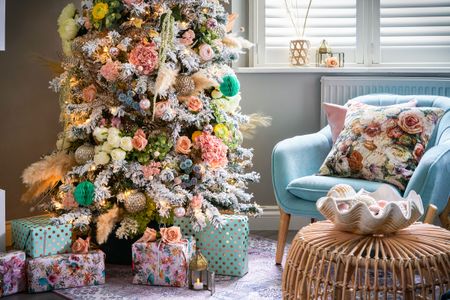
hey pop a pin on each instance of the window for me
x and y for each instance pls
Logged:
(369, 32)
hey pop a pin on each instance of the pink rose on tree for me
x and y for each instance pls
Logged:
(144, 57)
(419, 150)
(139, 140)
(206, 52)
(161, 108)
(110, 70)
(89, 93)
(196, 201)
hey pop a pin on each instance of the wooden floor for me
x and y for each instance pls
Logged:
(273, 235)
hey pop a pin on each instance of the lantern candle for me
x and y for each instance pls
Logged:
(198, 285)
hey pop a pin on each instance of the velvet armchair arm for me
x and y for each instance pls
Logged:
(296, 157)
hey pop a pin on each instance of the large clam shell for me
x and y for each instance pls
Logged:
(358, 219)
(341, 191)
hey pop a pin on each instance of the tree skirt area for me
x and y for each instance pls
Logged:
(263, 281)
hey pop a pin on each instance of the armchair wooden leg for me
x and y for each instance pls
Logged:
(430, 214)
(282, 234)
(445, 216)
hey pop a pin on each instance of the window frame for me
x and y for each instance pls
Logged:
(367, 47)
(2, 25)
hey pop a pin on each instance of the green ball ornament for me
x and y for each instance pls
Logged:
(230, 86)
(84, 193)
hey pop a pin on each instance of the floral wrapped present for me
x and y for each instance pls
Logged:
(225, 248)
(160, 263)
(37, 237)
(12, 272)
(66, 271)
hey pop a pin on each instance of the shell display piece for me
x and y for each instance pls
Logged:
(135, 202)
(341, 191)
(84, 153)
(184, 85)
(388, 214)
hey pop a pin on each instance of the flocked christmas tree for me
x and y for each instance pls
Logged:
(152, 123)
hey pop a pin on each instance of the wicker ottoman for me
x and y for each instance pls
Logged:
(324, 263)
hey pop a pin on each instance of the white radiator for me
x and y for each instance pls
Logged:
(339, 89)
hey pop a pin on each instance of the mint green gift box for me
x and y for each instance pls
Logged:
(37, 237)
(226, 249)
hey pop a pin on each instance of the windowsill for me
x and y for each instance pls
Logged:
(351, 69)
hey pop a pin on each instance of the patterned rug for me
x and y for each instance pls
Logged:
(263, 281)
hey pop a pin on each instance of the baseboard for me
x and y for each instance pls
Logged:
(271, 217)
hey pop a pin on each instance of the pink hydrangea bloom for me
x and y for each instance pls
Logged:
(110, 70)
(144, 57)
(152, 169)
(214, 151)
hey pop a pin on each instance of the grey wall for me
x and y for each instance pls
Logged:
(29, 111)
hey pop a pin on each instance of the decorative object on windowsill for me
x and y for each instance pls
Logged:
(298, 48)
(322, 54)
(199, 277)
(383, 211)
(336, 60)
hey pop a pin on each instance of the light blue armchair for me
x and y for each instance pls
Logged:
(295, 162)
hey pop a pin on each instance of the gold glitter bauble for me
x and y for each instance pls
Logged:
(135, 202)
(84, 153)
(184, 85)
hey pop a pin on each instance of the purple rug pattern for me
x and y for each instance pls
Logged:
(263, 281)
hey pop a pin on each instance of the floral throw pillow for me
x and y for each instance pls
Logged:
(382, 144)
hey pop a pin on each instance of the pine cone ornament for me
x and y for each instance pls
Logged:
(184, 85)
(84, 153)
(135, 202)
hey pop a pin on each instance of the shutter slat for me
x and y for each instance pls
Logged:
(334, 21)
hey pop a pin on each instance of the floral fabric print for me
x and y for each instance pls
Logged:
(158, 263)
(382, 144)
(12, 272)
(66, 271)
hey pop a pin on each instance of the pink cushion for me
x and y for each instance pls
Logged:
(336, 113)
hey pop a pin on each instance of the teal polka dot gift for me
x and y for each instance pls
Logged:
(38, 237)
(226, 249)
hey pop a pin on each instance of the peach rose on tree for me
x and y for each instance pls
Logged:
(194, 104)
(183, 145)
(418, 152)
(171, 235)
(89, 93)
(410, 121)
(139, 141)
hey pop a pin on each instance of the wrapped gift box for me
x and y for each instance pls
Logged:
(157, 263)
(66, 271)
(12, 272)
(226, 249)
(37, 237)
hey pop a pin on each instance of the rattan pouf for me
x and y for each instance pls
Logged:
(324, 263)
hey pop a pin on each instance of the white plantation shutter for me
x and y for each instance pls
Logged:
(414, 31)
(333, 20)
